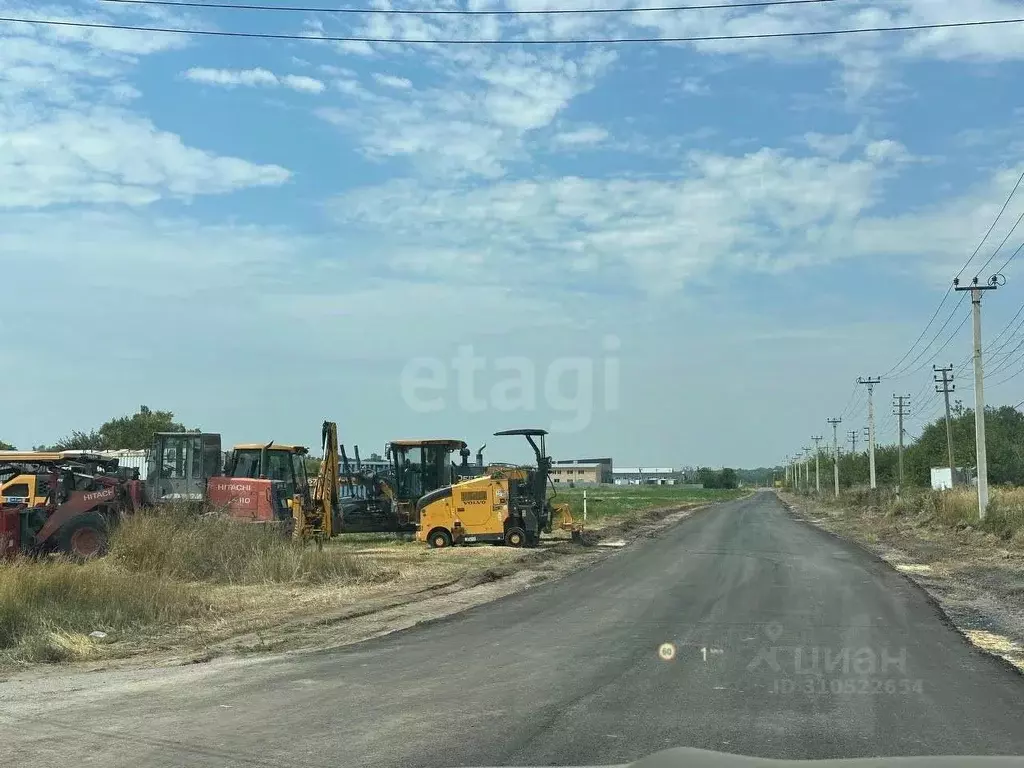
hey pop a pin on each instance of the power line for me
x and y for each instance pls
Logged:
(907, 369)
(459, 11)
(998, 247)
(949, 290)
(1010, 258)
(994, 222)
(921, 336)
(498, 41)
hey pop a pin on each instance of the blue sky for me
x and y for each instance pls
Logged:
(259, 235)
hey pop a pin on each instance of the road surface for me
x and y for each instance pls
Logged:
(739, 630)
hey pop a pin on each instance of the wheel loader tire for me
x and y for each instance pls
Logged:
(515, 537)
(84, 537)
(439, 538)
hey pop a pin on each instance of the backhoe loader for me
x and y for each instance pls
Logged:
(507, 505)
(262, 483)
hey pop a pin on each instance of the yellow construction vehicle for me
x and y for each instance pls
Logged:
(506, 505)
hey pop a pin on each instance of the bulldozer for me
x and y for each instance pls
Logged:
(506, 505)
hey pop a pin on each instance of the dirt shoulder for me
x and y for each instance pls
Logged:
(430, 584)
(974, 576)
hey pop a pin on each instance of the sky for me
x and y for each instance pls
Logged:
(668, 253)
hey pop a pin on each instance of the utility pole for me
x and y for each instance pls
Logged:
(902, 405)
(835, 451)
(947, 386)
(807, 468)
(870, 383)
(979, 388)
(853, 440)
(817, 463)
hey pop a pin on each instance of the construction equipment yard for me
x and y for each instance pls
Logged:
(176, 587)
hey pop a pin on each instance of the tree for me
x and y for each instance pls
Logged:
(6, 446)
(131, 432)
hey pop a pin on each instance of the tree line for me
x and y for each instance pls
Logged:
(1004, 441)
(133, 432)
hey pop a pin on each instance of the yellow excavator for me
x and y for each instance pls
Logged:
(324, 517)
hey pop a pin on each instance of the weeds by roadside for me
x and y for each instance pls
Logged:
(48, 608)
(953, 509)
(161, 571)
(182, 546)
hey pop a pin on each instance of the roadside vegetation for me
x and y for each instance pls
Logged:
(955, 509)
(161, 571)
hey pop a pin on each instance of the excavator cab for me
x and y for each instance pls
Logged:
(181, 464)
(284, 465)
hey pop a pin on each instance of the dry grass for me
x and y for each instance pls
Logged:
(165, 571)
(48, 608)
(219, 551)
(956, 509)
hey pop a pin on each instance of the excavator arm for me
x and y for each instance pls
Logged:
(327, 490)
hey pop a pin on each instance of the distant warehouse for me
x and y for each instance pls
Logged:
(648, 476)
(585, 471)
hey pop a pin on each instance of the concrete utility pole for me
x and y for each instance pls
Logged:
(807, 467)
(817, 463)
(947, 386)
(979, 389)
(835, 451)
(870, 383)
(902, 405)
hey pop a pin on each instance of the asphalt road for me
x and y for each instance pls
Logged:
(788, 643)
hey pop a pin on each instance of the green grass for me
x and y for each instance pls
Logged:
(607, 502)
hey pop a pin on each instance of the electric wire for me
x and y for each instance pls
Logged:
(460, 11)
(501, 41)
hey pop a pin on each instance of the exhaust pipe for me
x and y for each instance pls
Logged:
(480, 455)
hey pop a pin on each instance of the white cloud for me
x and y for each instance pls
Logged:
(231, 78)
(67, 134)
(474, 122)
(695, 86)
(392, 82)
(763, 211)
(106, 155)
(586, 136)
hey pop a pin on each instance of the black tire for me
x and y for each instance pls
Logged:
(84, 537)
(439, 538)
(515, 537)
